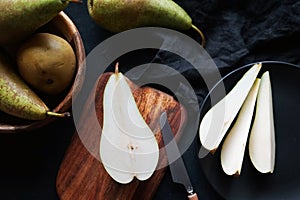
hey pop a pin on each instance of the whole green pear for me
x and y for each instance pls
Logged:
(19, 18)
(120, 15)
(16, 98)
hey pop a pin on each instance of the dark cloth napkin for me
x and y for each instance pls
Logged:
(243, 31)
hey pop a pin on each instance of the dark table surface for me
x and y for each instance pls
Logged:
(30, 161)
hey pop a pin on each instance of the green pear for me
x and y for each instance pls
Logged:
(118, 15)
(17, 99)
(19, 18)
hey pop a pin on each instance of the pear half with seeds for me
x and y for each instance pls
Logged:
(128, 147)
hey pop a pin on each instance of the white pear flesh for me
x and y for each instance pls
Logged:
(233, 148)
(128, 147)
(262, 135)
(218, 119)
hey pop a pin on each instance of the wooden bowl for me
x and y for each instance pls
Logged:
(62, 26)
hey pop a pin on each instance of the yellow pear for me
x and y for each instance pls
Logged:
(47, 62)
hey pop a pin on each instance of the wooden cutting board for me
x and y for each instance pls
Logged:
(82, 177)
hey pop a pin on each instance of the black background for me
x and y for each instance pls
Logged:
(238, 32)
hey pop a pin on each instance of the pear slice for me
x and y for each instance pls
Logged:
(128, 147)
(262, 135)
(218, 119)
(233, 149)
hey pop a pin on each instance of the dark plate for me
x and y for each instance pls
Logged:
(284, 183)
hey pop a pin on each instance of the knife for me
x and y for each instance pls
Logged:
(176, 164)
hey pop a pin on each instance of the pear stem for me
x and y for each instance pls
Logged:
(54, 114)
(201, 35)
(117, 68)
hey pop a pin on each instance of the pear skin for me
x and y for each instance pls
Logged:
(16, 98)
(20, 18)
(117, 15)
(47, 62)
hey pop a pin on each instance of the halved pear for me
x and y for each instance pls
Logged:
(218, 119)
(233, 149)
(128, 147)
(262, 135)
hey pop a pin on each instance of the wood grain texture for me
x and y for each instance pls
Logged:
(82, 177)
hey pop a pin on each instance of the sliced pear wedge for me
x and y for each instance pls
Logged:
(233, 149)
(128, 147)
(218, 119)
(262, 135)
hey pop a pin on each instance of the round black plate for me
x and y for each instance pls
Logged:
(284, 183)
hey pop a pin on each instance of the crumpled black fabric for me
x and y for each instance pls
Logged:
(243, 31)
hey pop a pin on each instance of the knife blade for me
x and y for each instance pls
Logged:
(178, 171)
